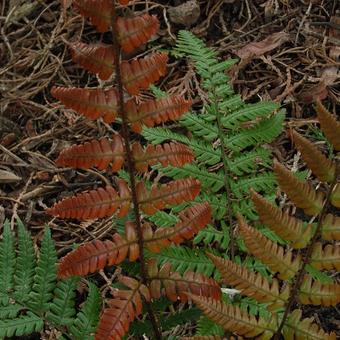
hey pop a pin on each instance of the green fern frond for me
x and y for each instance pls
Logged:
(23, 325)
(62, 308)
(158, 135)
(210, 235)
(218, 203)
(7, 263)
(249, 162)
(209, 180)
(205, 326)
(204, 152)
(263, 182)
(10, 312)
(45, 275)
(185, 259)
(87, 318)
(248, 113)
(263, 132)
(198, 126)
(163, 219)
(25, 265)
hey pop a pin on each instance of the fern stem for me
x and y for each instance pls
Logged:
(308, 254)
(131, 167)
(225, 176)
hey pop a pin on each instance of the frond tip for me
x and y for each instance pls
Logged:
(301, 193)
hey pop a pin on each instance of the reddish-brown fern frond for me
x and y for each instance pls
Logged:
(285, 225)
(93, 103)
(123, 308)
(329, 125)
(322, 167)
(327, 257)
(140, 73)
(174, 192)
(268, 252)
(174, 154)
(95, 58)
(94, 204)
(95, 255)
(301, 193)
(99, 12)
(175, 286)
(154, 112)
(191, 221)
(97, 153)
(134, 32)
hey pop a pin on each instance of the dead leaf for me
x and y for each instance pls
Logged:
(318, 91)
(8, 177)
(255, 49)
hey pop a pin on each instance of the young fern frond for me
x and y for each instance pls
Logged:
(36, 297)
(45, 275)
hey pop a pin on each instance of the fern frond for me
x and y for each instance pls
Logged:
(92, 103)
(263, 132)
(174, 154)
(163, 219)
(176, 286)
(327, 257)
(316, 293)
(95, 255)
(45, 275)
(301, 193)
(24, 325)
(95, 58)
(285, 225)
(297, 328)
(25, 263)
(322, 167)
(174, 192)
(249, 162)
(153, 112)
(248, 113)
(184, 259)
(335, 196)
(191, 221)
(94, 204)
(10, 312)
(264, 182)
(208, 180)
(210, 235)
(158, 135)
(123, 308)
(99, 14)
(87, 318)
(251, 284)
(7, 263)
(62, 308)
(140, 73)
(234, 319)
(199, 127)
(98, 153)
(329, 125)
(331, 228)
(136, 31)
(271, 254)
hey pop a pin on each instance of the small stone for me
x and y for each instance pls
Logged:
(185, 14)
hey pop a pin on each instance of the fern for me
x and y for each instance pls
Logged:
(298, 287)
(31, 294)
